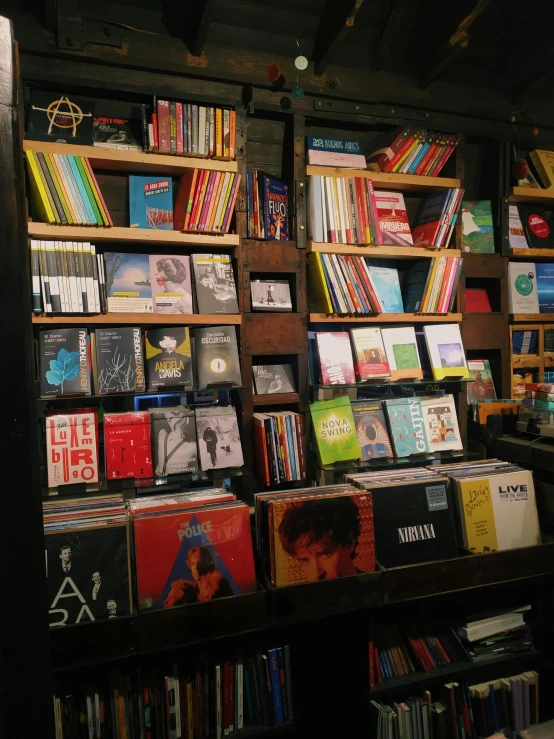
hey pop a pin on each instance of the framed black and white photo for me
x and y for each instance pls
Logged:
(273, 378)
(271, 295)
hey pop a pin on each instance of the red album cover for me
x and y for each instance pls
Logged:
(127, 445)
(72, 447)
(335, 357)
(193, 555)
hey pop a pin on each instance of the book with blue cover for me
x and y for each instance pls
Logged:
(545, 286)
(128, 283)
(406, 425)
(275, 686)
(386, 283)
(150, 202)
(276, 209)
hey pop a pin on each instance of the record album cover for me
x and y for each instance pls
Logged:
(64, 362)
(217, 357)
(168, 357)
(128, 283)
(538, 225)
(171, 283)
(119, 360)
(371, 428)
(271, 295)
(59, 118)
(173, 441)
(218, 438)
(273, 378)
(201, 554)
(87, 575)
(214, 284)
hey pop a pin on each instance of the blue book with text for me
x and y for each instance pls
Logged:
(150, 202)
(545, 286)
(387, 285)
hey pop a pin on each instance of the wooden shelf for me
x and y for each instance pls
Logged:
(276, 399)
(549, 359)
(117, 233)
(545, 253)
(387, 318)
(132, 161)
(134, 319)
(382, 252)
(531, 195)
(525, 360)
(539, 317)
(403, 182)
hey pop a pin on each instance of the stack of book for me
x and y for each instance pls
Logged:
(279, 445)
(267, 207)
(191, 130)
(206, 201)
(65, 190)
(205, 698)
(496, 635)
(327, 152)
(413, 150)
(436, 218)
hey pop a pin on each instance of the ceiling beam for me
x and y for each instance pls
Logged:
(457, 42)
(336, 20)
(389, 33)
(189, 21)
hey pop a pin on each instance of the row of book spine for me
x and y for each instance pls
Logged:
(439, 292)
(206, 201)
(437, 217)
(65, 190)
(347, 284)
(414, 151)
(67, 277)
(191, 130)
(279, 444)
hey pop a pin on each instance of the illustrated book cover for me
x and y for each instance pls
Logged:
(88, 574)
(441, 423)
(370, 358)
(401, 349)
(335, 358)
(64, 362)
(168, 357)
(271, 295)
(127, 445)
(371, 429)
(477, 226)
(128, 284)
(214, 284)
(446, 350)
(173, 432)
(72, 447)
(150, 202)
(523, 295)
(273, 378)
(217, 357)
(276, 208)
(218, 438)
(387, 285)
(171, 283)
(119, 360)
(393, 218)
(202, 553)
(335, 430)
(59, 118)
(407, 426)
(482, 387)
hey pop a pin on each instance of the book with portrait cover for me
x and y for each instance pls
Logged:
(482, 387)
(64, 362)
(173, 432)
(441, 423)
(414, 522)
(168, 357)
(276, 208)
(171, 283)
(150, 202)
(72, 447)
(214, 284)
(322, 536)
(60, 119)
(119, 360)
(335, 430)
(371, 428)
(273, 378)
(370, 358)
(446, 351)
(88, 574)
(128, 284)
(406, 426)
(202, 553)
(217, 357)
(335, 358)
(127, 445)
(218, 434)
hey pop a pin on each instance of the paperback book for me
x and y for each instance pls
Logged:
(171, 283)
(371, 429)
(441, 423)
(218, 438)
(370, 358)
(64, 362)
(276, 208)
(538, 225)
(401, 349)
(387, 285)
(119, 360)
(446, 350)
(482, 387)
(335, 358)
(545, 286)
(393, 218)
(59, 118)
(407, 426)
(128, 284)
(217, 357)
(173, 441)
(523, 295)
(127, 445)
(150, 202)
(214, 284)
(168, 357)
(478, 234)
(273, 378)
(72, 447)
(335, 430)
(516, 232)
(116, 133)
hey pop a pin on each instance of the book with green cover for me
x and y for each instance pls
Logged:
(335, 430)
(478, 235)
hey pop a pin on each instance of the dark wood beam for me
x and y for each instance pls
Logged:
(189, 21)
(389, 33)
(457, 42)
(336, 20)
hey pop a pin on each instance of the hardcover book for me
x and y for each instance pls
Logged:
(371, 429)
(407, 426)
(523, 295)
(72, 447)
(545, 286)
(171, 283)
(538, 225)
(446, 350)
(87, 574)
(414, 522)
(482, 387)
(516, 232)
(401, 349)
(370, 358)
(335, 358)
(168, 357)
(271, 295)
(60, 119)
(117, 133)
(127, 445)
(173, 441)
(214, 284)
(335, 430)
(64, 362)
(441, 423)
(217, 357)
(218, 438)
(387, 286)
(150, 202)
(273, 378)
(478, 234)
(393, 218)
(201, 554)
(128, 284)
(119, 360)
(276, 208)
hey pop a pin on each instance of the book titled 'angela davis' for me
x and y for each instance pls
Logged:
(119, 360)
(64, 362)
(217, 357)
(168, 357)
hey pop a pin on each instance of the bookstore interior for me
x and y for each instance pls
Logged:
(279, 290)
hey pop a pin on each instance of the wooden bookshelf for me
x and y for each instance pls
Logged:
(403, 182)
(277, 399)
(132, 161)
(544, 317)
(137, 319)
(382, 252)
(117, 233)
(387, 318)
(531, 195)
(526, 253)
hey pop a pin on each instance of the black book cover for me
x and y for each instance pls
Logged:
(168, 357)
(538, 225)
(117, 133)
(119, 360)
(87, 574)
(273, 378)
(214, 284)
(217, 356)
(414, 523)
(173, 441)
(54, 117)
(64, 364)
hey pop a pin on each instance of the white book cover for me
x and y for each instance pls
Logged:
(516, 232)
(523, 296)
(446, 350)
(402, 354)
(441, 423)
(515, 510)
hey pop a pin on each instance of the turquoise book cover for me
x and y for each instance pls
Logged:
(386, 283)
(150, 202)
(406, 425)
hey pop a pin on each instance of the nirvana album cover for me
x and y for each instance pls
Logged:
(87, 574)
(201, 554)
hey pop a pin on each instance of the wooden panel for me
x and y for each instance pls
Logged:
(118, 233)
(531, 195)
(196, 319)
(526, 253)
(545, 317)
(387, 318)
(383, 252)
(275, 333)
(484, 331)
(276, 399)
(520, 361)
(404, 182)
(271, 256)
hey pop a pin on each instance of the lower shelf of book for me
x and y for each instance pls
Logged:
(137, 319)
(387, 318)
